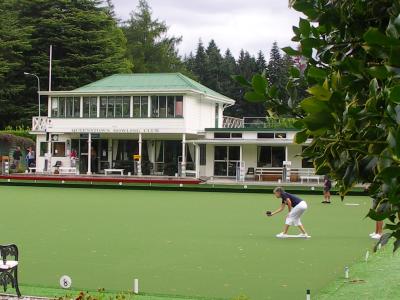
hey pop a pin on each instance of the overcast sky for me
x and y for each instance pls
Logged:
(249, 24)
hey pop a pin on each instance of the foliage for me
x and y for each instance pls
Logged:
(149, 46)
(13, 43)
(100, 295)
(87, 45)
(10, 139)
(19, 131)
(352, 112)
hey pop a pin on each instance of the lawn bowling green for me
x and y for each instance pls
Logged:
(180, 243)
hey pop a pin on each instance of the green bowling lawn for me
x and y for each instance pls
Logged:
(212, 245)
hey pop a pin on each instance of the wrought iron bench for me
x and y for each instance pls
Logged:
(9, 268)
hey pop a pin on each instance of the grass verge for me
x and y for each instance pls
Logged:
(376, 279)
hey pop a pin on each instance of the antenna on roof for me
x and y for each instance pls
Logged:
(50, 65)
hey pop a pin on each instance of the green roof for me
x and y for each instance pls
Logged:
(149, 82)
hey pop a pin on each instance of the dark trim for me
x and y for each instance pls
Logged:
(250, 129)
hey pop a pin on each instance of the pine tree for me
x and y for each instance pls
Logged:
(200, 63)
(213, 66)
(14, 41)
(228, 68)
(149, 46)
(278, 71)
(261, 63)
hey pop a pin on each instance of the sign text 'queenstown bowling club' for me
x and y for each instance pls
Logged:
(114, 130)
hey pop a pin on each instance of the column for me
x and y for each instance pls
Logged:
(139, 165)
(89, 170)
(197, 160)
(109, 153)
(81, 107)
(183, 164)
(220, 115)
(49, 154)
(49, 106)
(98, 107)
(286, 153)
(131, 107)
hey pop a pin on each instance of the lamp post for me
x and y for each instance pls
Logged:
(38, 86)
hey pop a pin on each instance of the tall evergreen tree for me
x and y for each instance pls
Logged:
(246, 66)
(213, 66)
(261, 63)
(87, 45)
(149, 46)
(14, 41)
(278, 71)
(200, 63)
(228, 67)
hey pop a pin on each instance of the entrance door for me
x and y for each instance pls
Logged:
(99, 154)
(225, 160)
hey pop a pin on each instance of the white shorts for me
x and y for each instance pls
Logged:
(293, 219)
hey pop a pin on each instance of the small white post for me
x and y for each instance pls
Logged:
(183, 163)
(89, 164)
(366, 256)
(136, 286)
(308, 295)
(139, 163)
(346, 272)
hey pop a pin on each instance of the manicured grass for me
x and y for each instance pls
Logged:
(376, 279)
(217, 245)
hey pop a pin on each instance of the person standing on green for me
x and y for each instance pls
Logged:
(17, 157)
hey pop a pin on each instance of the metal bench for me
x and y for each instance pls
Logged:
(9, 268)
(121, 171)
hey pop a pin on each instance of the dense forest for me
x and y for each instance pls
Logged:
(90, 42)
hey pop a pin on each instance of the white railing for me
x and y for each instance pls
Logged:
(39, 123)
(231, 122)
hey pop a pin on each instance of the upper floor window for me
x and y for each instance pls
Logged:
(90, 107)
(166, 107)
(65, 107)
(140, 106)
(114, 106)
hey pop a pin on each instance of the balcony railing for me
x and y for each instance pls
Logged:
(255, 122)
(39, 123)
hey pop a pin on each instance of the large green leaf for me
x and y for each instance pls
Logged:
(254, 97)
(301, 137)
(316, 73)
(389, 173)
(379, 72)
(305, 28)
(320, 92)
(375, 37)
(395, 94)
(259, 84)
(241, 80)
(312, 105)
(290, 51)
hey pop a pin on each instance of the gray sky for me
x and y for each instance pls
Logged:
(249, 24)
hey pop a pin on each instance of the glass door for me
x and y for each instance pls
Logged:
(225, 160)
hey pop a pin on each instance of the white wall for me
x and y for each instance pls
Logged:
(294, 150)
(40, 160)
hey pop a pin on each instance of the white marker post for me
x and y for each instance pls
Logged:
(366, 256)
(136, 286)
(308, 295)
(346, 272)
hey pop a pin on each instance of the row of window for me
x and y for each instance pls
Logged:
(118, 107)
(260, 135)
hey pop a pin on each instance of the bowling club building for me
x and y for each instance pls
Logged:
(158, 125)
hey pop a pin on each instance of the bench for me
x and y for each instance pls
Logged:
(121, 171)
(273, 174)
(67, 170)
(31, 169)
(9, 267)
(309, 177)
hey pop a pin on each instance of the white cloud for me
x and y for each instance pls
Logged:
(252, 25)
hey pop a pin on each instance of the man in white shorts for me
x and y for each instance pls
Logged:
(296, 208)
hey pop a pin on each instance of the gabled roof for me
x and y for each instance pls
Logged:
(146, 82)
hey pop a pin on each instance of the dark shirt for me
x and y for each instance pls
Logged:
(294, 199)
(327, 183)
(17, 155)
